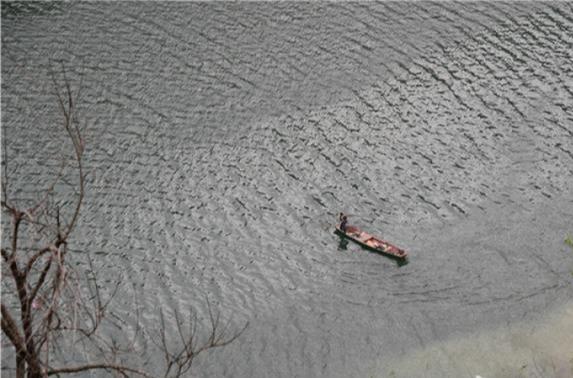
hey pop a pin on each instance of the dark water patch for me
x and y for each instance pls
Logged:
(16, 9)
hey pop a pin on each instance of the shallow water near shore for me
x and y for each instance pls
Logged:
(540, 349)
(223, 139)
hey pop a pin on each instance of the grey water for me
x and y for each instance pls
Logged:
(223, 138)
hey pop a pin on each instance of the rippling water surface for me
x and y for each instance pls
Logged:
(223, 138)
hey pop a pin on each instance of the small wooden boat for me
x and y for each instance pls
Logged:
(368, 241)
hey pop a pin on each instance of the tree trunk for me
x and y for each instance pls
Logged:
(35, 372)
(20, 365)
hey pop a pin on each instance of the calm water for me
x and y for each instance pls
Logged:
(223, 138)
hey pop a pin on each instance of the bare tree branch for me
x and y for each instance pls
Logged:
(5, 178)
(10, 328)
(58, 312)
(5, 255)
(78, 369)
(40, 281)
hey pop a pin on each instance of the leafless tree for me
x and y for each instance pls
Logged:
(43, 303)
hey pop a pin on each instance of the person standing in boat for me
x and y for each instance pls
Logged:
(343, 221)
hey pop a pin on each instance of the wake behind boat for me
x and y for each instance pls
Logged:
(370, 242)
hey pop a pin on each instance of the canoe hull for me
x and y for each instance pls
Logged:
(372, 243)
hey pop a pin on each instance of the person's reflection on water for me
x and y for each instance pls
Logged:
(343, 243)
